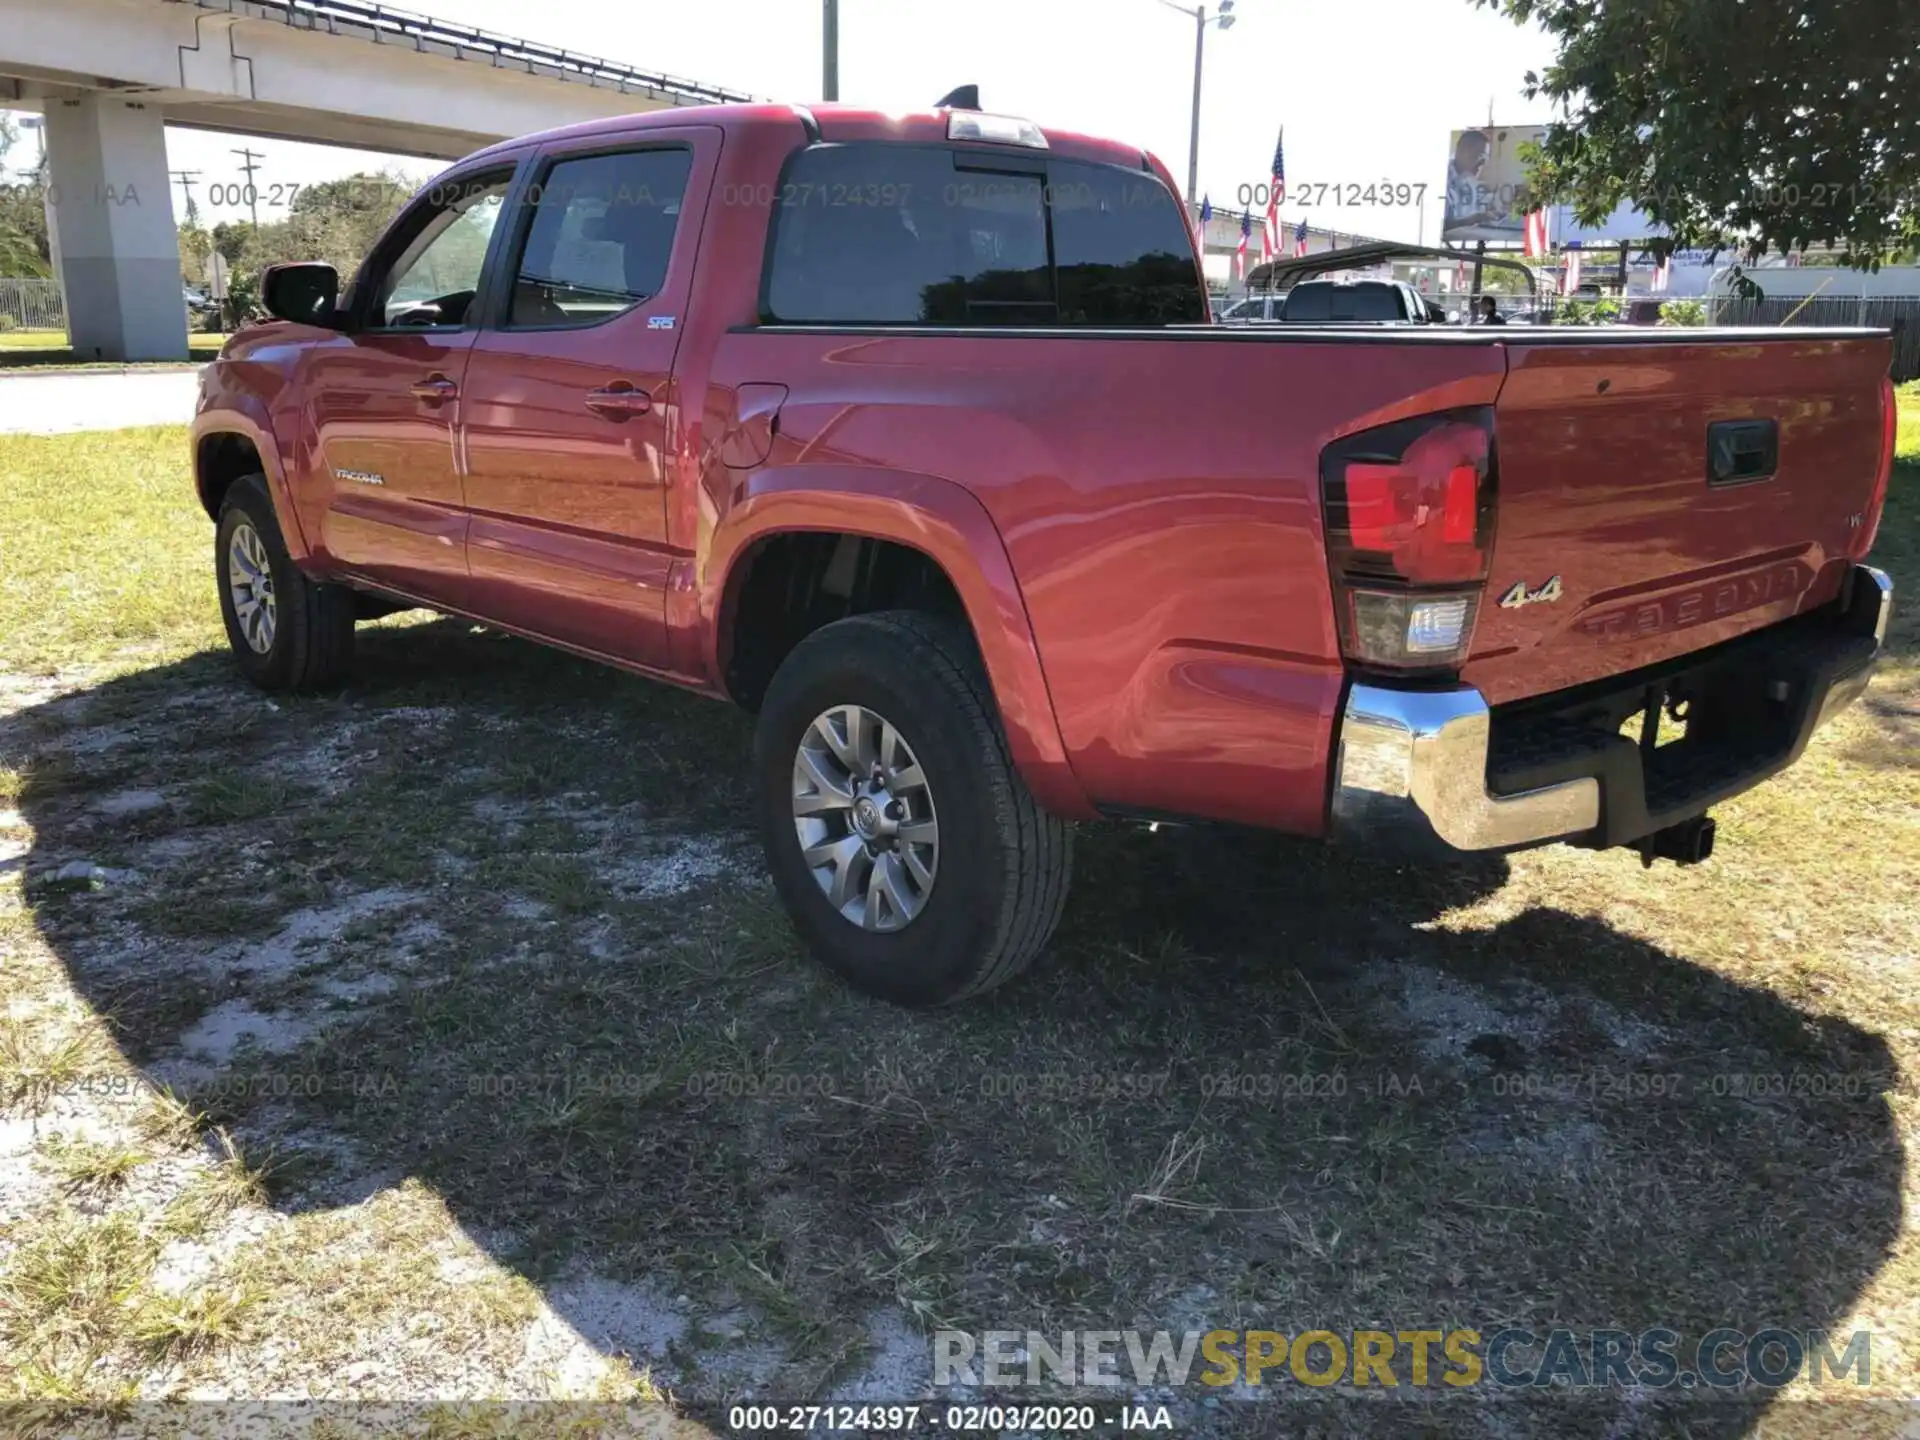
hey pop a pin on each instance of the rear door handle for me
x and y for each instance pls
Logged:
(435, 389)
(619, 400)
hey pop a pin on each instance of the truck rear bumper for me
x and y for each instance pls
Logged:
(1439, 772)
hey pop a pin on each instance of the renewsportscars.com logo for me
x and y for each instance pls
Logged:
(1577, 1359)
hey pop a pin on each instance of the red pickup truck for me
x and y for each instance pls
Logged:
(910, 433)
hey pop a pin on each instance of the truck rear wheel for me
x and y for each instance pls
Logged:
(911, 856)
(288, 632)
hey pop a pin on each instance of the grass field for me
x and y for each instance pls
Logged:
(440, 1040)
(48, 349)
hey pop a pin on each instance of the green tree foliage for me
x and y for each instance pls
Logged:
(1754, 125)
(24, 247)
(196, 245)
(1683, 312)
(1604, 311)
(337, 221)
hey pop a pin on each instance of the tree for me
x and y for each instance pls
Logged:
(24, 246)
(25, 249)
(337, 221)
(1753, 125)
(196, 248)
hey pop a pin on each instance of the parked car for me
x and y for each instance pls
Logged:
(1254, 308)
(1319, 302)
(960, 491)
(197, 302)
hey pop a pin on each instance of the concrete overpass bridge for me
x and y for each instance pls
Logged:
(108, 75)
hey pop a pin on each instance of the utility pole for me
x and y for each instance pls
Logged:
(250, 162)
(830, 50)
(186, 179)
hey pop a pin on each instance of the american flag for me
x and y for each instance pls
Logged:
(1536, 247)
(1246, 234)
(1277, 191)
(1570, 285)
(1206, 214)
(1300, 237)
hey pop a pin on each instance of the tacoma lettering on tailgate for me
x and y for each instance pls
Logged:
(1698, 605)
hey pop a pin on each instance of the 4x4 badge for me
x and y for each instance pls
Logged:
(1520, 595)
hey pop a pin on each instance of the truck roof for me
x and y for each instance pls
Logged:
(826, 122)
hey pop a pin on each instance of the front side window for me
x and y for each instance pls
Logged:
(888, 234)
(434, 279)
(600, 237)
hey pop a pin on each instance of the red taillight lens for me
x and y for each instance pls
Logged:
(1889, 438)
(1413, 501)
(1409, 510)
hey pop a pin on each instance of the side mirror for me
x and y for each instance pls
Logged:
(306, 292)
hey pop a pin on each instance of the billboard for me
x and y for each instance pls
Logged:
(1488, 197)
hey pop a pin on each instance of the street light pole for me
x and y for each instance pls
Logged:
(830, 50)
(1224, 19)
(1193, 135)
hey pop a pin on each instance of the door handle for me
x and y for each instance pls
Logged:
(619, 400)
(435, 389)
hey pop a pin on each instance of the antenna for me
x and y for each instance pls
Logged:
(967, 97)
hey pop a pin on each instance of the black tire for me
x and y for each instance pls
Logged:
(311, 644)
(1003, 862)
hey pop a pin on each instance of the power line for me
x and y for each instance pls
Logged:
(250, 162)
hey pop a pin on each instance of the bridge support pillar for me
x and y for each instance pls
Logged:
(111, 208)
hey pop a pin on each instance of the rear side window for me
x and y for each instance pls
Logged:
(600, 237)
(1122, 248)
(886, 234)
(895, 235)
(1308, 302)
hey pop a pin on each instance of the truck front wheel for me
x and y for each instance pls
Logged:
(288, 632)
(911, 856)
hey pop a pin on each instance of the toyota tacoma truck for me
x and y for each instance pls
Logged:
(911, 434)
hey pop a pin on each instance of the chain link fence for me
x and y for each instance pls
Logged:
(32, 305)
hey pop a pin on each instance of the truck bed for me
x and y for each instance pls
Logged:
(1165, 520)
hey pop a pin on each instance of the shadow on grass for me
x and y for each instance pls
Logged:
(1255, 1086)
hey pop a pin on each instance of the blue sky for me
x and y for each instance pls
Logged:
(1367, 89)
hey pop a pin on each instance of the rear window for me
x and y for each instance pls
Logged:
(884, 234)
(1367, 300)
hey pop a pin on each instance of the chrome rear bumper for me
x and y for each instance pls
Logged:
(1411, 765)
(1414, 762)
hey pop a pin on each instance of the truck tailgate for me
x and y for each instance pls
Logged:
(1607, 486)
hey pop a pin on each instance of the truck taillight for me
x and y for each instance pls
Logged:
(1409, 509)
(1877, 503)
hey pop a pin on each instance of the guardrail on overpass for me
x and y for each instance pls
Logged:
(382, 24)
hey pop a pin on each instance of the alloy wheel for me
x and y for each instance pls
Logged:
(250, 582)
(863, 812)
